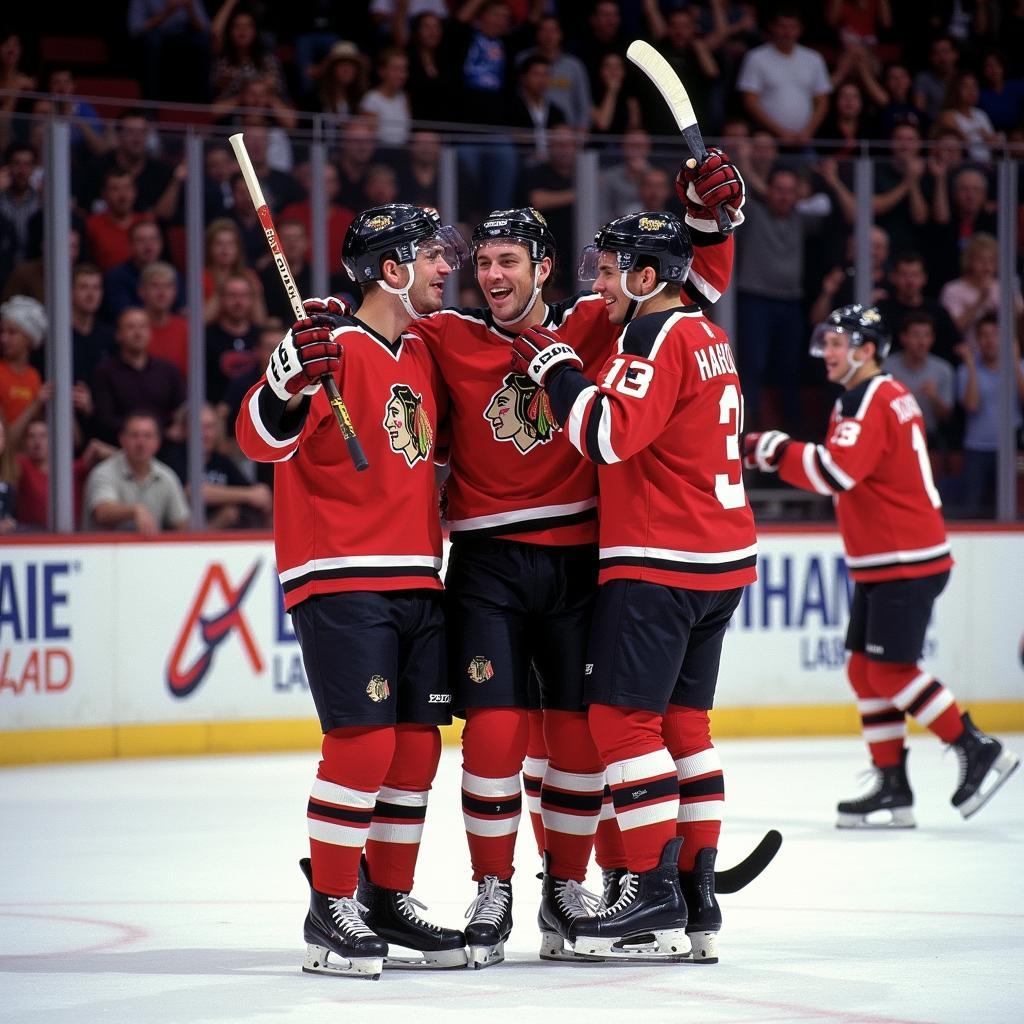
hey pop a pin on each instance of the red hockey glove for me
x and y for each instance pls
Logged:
(305, 354)
(538, 351)
(764, 451)
(332, 306)
(701, 189)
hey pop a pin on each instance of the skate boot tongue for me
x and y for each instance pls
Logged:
(490, 921)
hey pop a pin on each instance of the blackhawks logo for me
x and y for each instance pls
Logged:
(380, 222)
(408, 424)
(377, 689)
(480, 669)
(520, 412)
(651, 223)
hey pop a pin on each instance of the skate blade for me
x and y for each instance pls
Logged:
(554, 947)
(667, 944)
(486, 956)
(704, 947)
(1003, 767)
(321, 960)
(896, 817)
(430, 960)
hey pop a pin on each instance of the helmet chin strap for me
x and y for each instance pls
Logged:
(636, 301)
(403, 293)
(854, 367)
(529, 302)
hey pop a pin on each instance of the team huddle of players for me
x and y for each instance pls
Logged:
(601, 538)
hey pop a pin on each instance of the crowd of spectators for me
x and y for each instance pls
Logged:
(793, 92)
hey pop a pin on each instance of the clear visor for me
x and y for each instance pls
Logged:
(500, 240)
(448, 244)
(820, 336)
(589, 260)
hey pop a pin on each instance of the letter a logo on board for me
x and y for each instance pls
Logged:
(213, 629)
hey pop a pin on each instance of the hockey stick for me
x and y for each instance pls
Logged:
(666, 81)
(355, 449)
(741, 875)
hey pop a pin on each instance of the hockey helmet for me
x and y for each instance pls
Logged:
(859, 323)
(397, 231)
(660, 236)
(523, 224)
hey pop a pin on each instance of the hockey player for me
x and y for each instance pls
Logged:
(521, 511)
(875, 466)
(662, 422)
(359, 556)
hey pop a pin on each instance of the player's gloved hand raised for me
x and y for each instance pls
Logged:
(703, 188)
(304, 355)
(538, 351)
(331, 306)
(764, 451)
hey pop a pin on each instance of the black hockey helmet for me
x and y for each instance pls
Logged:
(396, 230)
(660, 236)
(523, 224)
(860, 323)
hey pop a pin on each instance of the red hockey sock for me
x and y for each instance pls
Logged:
(608, 849)
(493, 747)
(355, 761)
(883, 725)
(397, 826)
(642, 778)
(572, 792)
(534, 767)
(687, 734)
(918, 694)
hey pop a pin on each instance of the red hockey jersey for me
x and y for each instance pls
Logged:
(663, 425)
(336, 529)
(513, 474)
(875, 464)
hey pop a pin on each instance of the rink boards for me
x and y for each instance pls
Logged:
(134, 648)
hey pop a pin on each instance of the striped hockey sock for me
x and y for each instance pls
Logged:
(608, 849)
(918, 694)
(883, 725)
(534, 767)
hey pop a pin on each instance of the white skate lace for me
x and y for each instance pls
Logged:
(626, 894)
(575, 901)
(407, 906)
(347, 912)
(872, 775)
(961, 758)
(490, 903)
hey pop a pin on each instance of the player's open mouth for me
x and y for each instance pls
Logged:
(500, 293)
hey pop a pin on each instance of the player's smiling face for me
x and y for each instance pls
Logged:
(608, 284)
(836, 355)
(504, 272)
(427, 292)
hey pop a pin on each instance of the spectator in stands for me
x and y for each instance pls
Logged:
(898, 107)
(785, 86)
(92, 338)
(158, 296)
(929, 378)
(358, 144)
(846, 123)
(908, 279)
(418, 178)
(257, 108)
(956, 218)
(88, 135)
(225, 258)
(620, 183)
(858, 25)
(109, 231)
(175, 48)
(976, 293)
(532, 111)
(8, 479)
(19, 196)
(657, 192)
(29, 277)
(388, 102)
(340, 80)
(337, 216)
(1001, 98)
(615, 108)
(121, 283)
(393, 18)
(978, 382)
(244, 216)
(229, 500)
(602, 36)
(904, 189)
(551, 188)
(381, 185)
(430, 72)
(769, 282)
(12, 74)
(570, 84)
(961, 112)
(294, 239)
(838, 288)
(7, 263)
(238, 387)
(241, 54)
(131, 379)
(132, 490)
(22, 328)
(931, 85)
(33, 469)
(232, 337)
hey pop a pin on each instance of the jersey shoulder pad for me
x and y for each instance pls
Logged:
(643, 336)
(855, 403)
(580, 302)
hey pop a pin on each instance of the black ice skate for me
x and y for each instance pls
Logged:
(703, 914)
(335, 928)
(647, 921)
(888, 805)
(980, 756)
(611, 885)
(490, 921)
(392, 915)
(562, 900)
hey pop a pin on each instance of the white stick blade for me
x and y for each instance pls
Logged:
(660, 72)
(252, 183)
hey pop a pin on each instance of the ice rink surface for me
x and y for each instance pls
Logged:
(167, 892)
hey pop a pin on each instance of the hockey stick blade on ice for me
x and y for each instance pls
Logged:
(735, 878)
(673, 92)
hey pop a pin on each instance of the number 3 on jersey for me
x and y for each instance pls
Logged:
(730, 412)
(634, 382)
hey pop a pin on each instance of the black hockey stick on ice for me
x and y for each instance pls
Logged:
(739, 877)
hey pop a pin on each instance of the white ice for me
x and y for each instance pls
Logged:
(167, 891)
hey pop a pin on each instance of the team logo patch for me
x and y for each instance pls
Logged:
(520, 412)
(380, 222)
(408, 424)
(651, 223)
(377, 689)
(480, 669)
